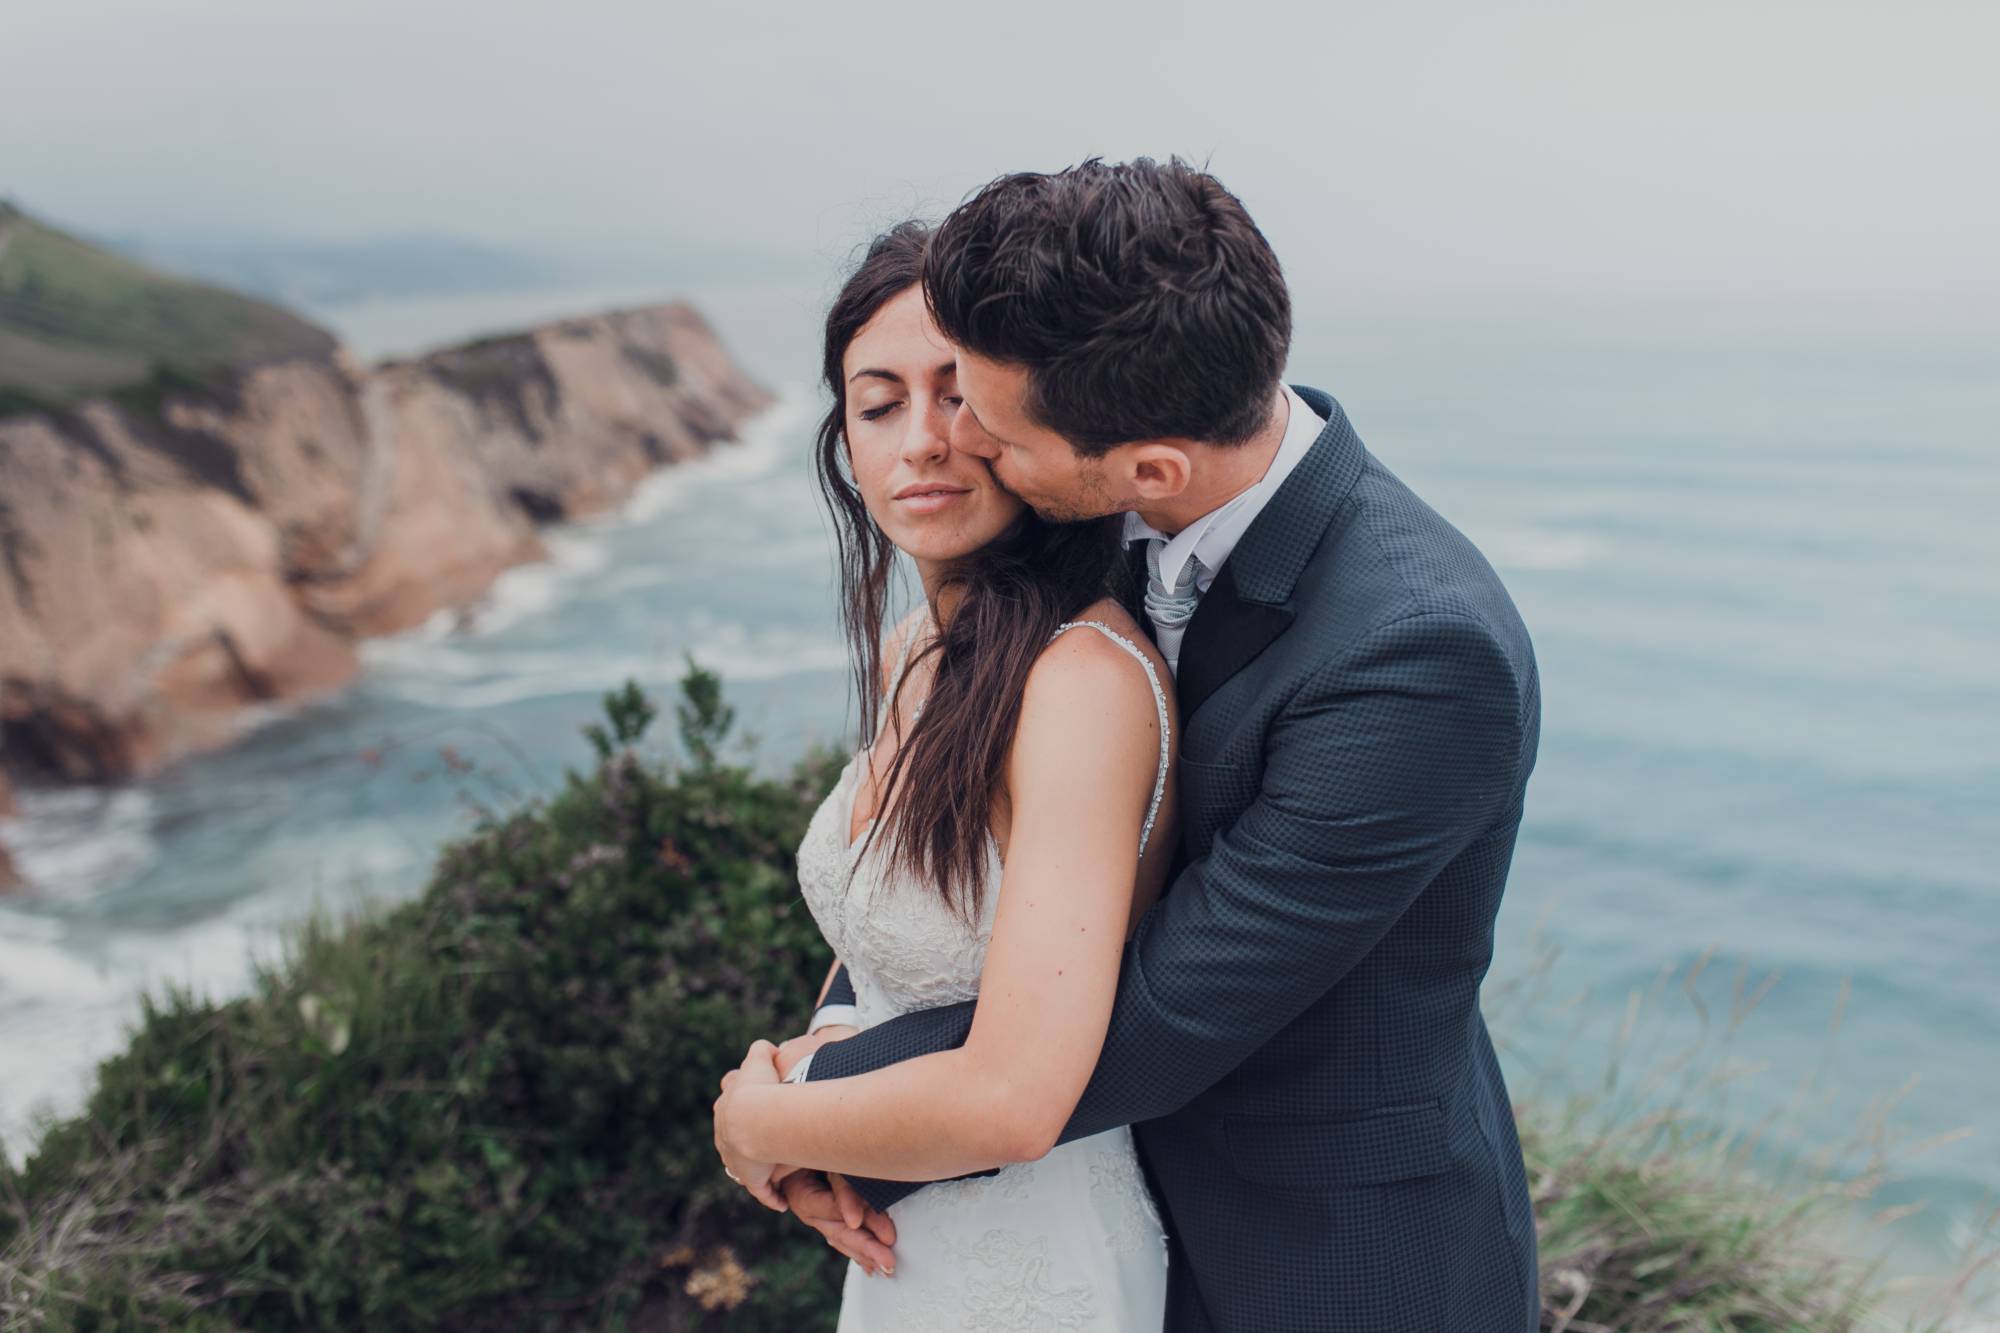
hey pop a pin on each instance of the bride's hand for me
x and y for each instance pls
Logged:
(760, 1178)
(798, 1048)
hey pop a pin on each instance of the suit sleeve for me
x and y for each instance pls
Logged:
(1387, 763)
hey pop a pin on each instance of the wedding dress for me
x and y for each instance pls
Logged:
(1072, 1241)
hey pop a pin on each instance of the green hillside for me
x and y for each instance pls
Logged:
(76, 320)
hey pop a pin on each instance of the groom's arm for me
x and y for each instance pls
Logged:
(837, 1005)
(1389, 762)
(836, 1009)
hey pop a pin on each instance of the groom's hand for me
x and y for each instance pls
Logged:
(828, 1204)
(798, 1048)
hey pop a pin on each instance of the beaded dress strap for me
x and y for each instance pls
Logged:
(1159, 702)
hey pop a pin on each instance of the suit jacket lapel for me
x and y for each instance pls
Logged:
(1250, 602)
(1226, 633)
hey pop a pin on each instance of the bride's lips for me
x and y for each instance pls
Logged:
(927, 497)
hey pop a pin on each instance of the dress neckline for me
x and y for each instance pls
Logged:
(852, 846)
(851, 842)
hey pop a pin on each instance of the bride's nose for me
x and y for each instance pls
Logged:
(928, 438)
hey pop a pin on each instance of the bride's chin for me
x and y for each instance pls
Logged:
(941, 546)
(939, 552)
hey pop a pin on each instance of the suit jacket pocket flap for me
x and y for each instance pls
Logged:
(1396, 1143)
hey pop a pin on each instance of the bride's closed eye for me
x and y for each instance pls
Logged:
(877, 413)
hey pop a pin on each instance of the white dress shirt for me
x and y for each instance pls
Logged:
(1208, 539)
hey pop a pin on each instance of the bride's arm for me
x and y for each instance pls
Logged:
(1080, 775)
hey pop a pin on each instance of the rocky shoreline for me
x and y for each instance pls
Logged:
(166, 562)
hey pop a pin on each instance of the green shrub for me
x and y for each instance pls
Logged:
(488, 1108)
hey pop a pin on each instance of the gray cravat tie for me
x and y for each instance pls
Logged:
(1170, 608)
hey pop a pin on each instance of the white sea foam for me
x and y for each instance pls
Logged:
(761, 448)
(67, 1003)
(523, 591)
(71, 842)
(735, 653)
(38, 927)
(33, 965)
(64, 1009)
(439, 676)
(48, 1067)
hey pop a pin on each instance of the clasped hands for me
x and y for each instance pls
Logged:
(823, 1200)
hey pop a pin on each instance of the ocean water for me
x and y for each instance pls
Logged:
(1762, 569)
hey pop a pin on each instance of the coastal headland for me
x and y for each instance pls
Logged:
(224, 531)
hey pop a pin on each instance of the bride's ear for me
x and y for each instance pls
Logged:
(1158, 471)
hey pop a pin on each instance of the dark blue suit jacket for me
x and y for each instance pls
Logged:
(1296, 1038)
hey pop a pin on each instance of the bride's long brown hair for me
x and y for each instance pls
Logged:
(938, 796)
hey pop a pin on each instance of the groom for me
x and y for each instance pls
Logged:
(1296, 1039)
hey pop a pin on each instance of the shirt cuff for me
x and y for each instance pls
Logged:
(829, 1014)
(798, 1074)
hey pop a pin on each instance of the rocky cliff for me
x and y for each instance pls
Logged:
(167, 559)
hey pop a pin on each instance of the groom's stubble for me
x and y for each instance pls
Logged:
(1091, 498)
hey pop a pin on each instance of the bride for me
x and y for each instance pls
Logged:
(999, 836)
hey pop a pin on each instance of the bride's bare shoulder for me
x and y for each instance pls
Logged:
(1088, 696)
(1113, 616)
(1082, 664)
(1109, 611)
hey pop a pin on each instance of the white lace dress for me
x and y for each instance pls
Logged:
(1072, 1241)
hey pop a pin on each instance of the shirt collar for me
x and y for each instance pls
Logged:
(1214, 535)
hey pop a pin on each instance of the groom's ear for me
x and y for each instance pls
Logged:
(1158, 470)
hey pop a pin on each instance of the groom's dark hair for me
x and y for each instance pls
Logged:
(1140, 297)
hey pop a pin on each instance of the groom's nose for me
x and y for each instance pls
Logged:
(968, 438)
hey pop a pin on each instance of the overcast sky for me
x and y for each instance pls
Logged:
(1823, 150)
